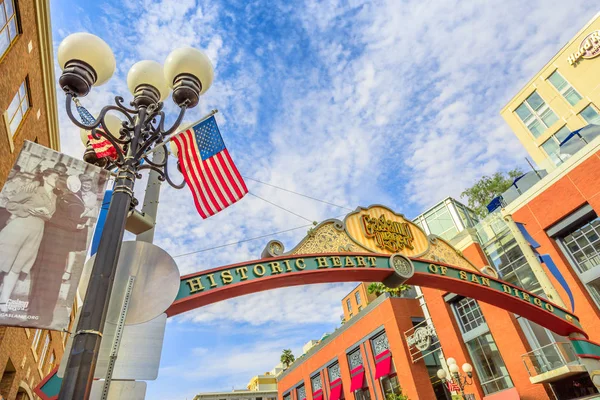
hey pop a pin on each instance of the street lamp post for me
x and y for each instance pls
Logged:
(87, 61)
(460, 380)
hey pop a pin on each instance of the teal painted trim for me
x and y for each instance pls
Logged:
(218, 278)
(431, 268)
(264, 268)
(585, 347)
(52, 386)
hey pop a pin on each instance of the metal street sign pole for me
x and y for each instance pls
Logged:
(117, 341)
(150, 206)
(150, 209)
(86, 342)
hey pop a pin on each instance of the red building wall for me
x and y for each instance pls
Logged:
(504, 329)
(575, 189)
(572, 191)
(395, 316)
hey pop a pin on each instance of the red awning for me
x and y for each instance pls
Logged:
(357, 378)
(383, 364)
(318, 395)
(336, 389)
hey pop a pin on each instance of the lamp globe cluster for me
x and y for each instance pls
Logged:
(87, 60)
(454, 370)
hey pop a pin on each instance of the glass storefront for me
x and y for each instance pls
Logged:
(487, 361)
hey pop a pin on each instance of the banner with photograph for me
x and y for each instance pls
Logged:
(48, 208)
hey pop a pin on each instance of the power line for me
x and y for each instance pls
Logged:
(299, 194)
(246, 240)
(278, 206)
(242, 241)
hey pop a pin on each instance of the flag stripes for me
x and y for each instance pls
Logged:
(211, 174)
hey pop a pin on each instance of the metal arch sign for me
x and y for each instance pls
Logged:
(207, 287)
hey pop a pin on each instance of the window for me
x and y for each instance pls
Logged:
(467, 216)
(8, 25)
(491, 371)
(51, 362)
(535, 114)
(357, 297)
(362, 394)
(380, 344)
(348, 305)
(354, 359)
(482, 348)
(287, 396)
(564, 88)
(334, 372)
(578, 236)
(44, 350)
(390, 385)
(300, 393)
(469, 314)
(440, 222)
(552, 145)
(18, 107)
(584, 245)
(508, 259)
(315, 383)
(590, 114)
(36, 339)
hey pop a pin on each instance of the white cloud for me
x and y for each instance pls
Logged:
(394, 104)
(352, 102)
(296, 305)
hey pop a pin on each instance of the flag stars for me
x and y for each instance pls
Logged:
(208, 139)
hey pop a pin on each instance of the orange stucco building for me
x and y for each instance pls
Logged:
(513, 358)
(542, 235)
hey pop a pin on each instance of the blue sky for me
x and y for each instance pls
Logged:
(390, 102)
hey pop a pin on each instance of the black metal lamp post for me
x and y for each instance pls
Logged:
(458, 379)
(87, 61)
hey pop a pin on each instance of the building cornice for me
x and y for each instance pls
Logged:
(46, 48)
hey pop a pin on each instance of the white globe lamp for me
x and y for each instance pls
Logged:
(86, 61)
(190, 73)
(147, 73)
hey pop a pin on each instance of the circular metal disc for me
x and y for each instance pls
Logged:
(155, 286)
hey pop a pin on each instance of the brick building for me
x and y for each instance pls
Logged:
(28, 111)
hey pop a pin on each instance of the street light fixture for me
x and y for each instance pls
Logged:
(458, 379)
(87, 61)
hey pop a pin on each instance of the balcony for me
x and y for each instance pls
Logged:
(552, 362)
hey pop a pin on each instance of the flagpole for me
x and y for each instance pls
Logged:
(158, 146)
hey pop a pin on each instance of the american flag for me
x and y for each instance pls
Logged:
(102, 147)
(208, 168)
(453, 387)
